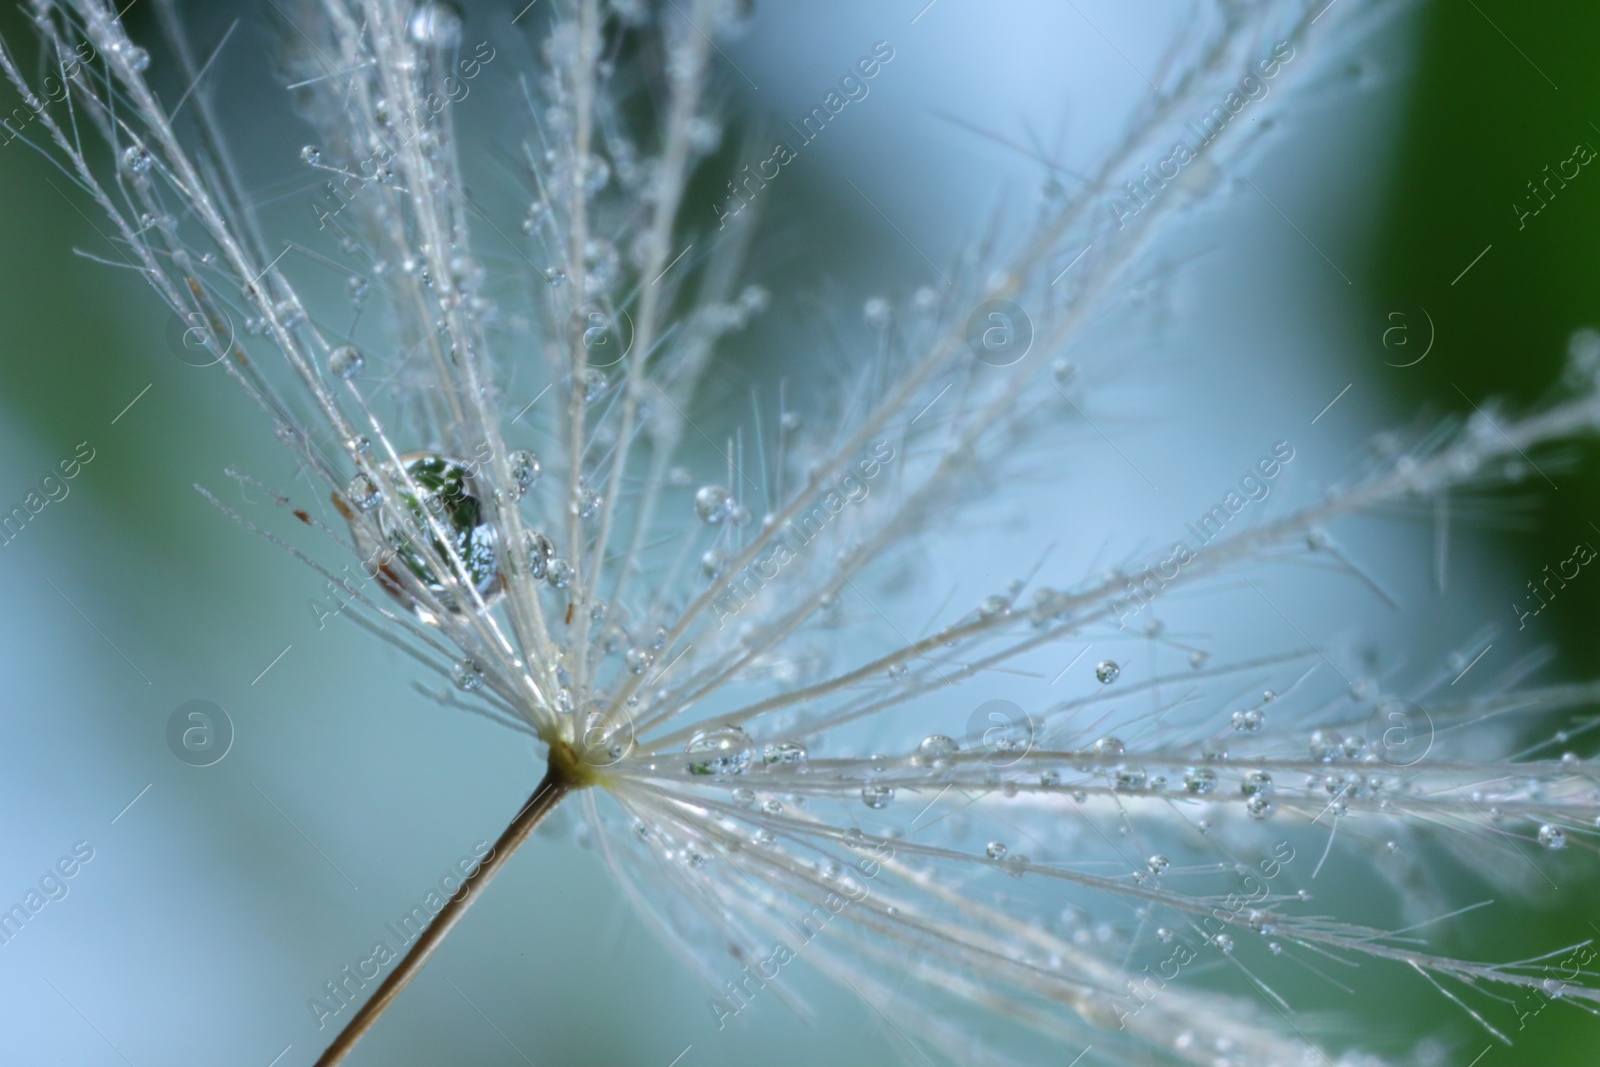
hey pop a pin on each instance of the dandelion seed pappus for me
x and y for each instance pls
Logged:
(828, 618)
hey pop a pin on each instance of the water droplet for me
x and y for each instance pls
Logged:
(993, 606)
(588, 503)
(1108, 746)
(877, 796)
(1107, 671)
(1552, 837)
(745, 798)
(1326, 746)
(525, 469)
(638, 660)
(1249, 721)
(466, 675)
(1259, 806)
(1223, 942)
(1257, 783)
(558, 572)
(788, 753)
(311, 154)
(1130, 779)
(346, 362)
(720, 750)
(936, 750)
(136, 159)
(1050, 779)
(1157, 863)
(447, 499)
(995, 850)
(713, 504)
(364, 493)
(714, 563)
(436, 24)
(1197, 659)
(537, 551)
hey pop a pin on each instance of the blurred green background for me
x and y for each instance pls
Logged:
(358, 764)
(1503, 90)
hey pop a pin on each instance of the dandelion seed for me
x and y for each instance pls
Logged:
(729, 718)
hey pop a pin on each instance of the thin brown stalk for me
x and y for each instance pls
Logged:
(557, 783)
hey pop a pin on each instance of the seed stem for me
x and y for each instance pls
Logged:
(557, 783)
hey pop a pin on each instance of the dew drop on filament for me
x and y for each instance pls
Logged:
(877, 797)
(720, 750)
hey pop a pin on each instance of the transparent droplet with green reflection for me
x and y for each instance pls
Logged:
(448, 495)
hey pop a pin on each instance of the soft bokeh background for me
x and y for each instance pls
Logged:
(225, 896)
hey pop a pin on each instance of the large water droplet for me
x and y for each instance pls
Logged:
(1200, 780)
(995, 850)
(1107, 672)
(720, 750)
(1552, 837)
(449, 497)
